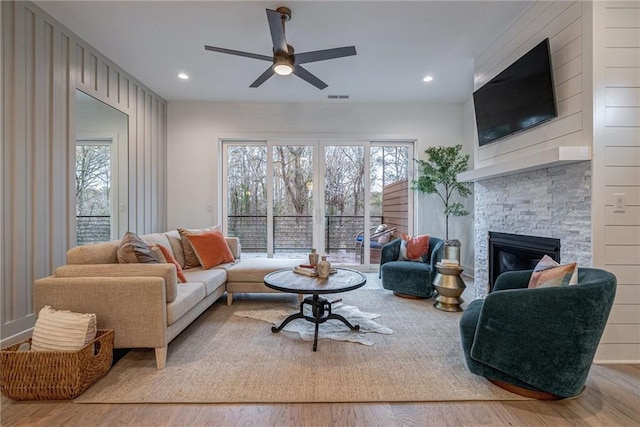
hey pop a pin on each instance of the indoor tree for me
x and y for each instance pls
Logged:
(438, 175)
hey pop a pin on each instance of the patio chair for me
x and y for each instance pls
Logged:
(379, 236)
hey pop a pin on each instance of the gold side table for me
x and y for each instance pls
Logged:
(450, 286)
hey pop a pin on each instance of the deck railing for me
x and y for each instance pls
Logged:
(294, 233)
(93, 229)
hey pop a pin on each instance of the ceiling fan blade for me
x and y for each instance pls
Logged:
(308, 77)
(263, 77)
(277, 31)
(239, 53)
(321, 55)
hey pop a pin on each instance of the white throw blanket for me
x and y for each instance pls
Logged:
(331, 329)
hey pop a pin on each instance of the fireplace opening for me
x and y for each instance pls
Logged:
(511, 252)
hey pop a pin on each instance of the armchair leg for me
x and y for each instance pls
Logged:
(398, 294)
(533, 394)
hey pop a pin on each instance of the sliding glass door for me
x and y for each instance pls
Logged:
(284, 198)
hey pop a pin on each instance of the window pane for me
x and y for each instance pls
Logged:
(247, 197)
(344, 200)
(93, 193)
(292, 199)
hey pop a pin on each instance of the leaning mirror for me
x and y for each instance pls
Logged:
(101, 177)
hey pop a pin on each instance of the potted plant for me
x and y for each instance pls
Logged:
(438, 175)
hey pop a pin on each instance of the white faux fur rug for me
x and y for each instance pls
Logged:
(331, 329)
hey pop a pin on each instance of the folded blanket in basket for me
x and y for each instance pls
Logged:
(62, 330)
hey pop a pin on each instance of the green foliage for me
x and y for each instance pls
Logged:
(438, 175)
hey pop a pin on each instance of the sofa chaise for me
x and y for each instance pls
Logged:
(144, 303)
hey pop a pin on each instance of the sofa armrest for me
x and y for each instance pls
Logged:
(234, 245)
(165, 271)
(135, 307)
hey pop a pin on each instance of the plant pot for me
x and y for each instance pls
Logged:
(452, 249)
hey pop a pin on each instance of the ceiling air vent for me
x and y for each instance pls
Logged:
(338, 96)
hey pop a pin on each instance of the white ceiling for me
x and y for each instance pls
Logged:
(397, 42)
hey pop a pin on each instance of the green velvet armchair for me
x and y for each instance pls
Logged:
(538, 342)
(410, 278)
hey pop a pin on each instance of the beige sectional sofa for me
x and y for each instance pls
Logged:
(144, 303)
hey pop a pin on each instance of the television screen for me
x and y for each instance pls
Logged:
(518, 98)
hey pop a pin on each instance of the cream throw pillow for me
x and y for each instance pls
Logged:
(62, 330)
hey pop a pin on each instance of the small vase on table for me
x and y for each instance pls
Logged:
(313, 258)
(324, 267)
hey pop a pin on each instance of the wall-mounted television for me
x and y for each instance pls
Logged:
(520, 97)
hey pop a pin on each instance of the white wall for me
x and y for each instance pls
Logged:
(195, 129)
(616, 235)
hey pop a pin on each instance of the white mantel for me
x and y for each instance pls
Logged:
(555, 156)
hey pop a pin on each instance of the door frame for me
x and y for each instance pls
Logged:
(318, 143)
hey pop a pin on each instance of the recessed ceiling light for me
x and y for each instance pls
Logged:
(183, 76)
(427, 79)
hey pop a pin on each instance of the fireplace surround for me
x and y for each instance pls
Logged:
(554, 202)
(509, 252)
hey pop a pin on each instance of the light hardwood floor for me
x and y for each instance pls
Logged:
(611, 398)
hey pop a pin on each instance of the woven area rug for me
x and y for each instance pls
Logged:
(223, 358)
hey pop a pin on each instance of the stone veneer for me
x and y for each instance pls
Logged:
(553, 202)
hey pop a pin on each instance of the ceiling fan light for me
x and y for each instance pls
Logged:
(283, 69)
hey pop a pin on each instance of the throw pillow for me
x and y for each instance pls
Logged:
(133, 250)
(414, 248)
(384, 238)
(190, 258)
(548, 273)
(381, 228)
(165, 257)
(211, 249)
(62, 330)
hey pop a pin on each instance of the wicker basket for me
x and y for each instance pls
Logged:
(53, 375)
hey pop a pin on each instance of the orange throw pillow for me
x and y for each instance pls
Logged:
(168, 258)
(414, 248)
(211, 249)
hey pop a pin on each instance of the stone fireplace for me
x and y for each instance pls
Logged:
(550, 203)
(511, 252)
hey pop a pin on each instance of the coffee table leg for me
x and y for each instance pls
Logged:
(294, 316)
(315, 337)
(343, 320)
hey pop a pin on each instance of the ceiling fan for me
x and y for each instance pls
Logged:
(285, 60)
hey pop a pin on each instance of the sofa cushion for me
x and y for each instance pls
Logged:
(96, 253)
(157, 239)
(254, 269)
(134, 250)
(176, 246)
(211, 249)
(190, 258)
(189, 294)
(212, 279)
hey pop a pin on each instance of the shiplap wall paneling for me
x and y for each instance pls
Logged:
(618, 140)
(42, 65)
(563, 23)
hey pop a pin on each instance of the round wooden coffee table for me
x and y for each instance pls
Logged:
(287, 281)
